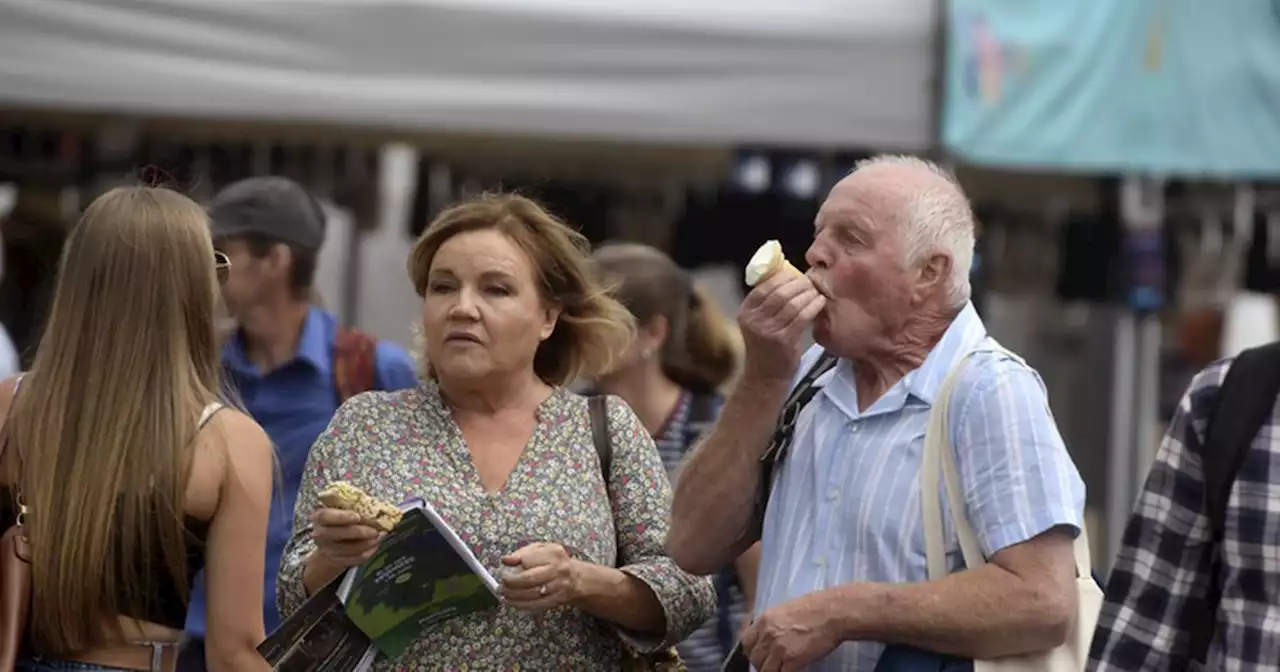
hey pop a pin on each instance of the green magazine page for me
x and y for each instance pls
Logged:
(421, 575)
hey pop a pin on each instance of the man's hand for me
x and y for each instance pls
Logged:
(773, 318)
(790, 636)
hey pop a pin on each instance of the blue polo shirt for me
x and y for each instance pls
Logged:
(294, 404)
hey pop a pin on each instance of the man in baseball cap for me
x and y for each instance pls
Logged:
(290, 361)
(276, 221)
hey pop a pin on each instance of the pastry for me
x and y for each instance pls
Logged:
(373, 512)
(766, 261)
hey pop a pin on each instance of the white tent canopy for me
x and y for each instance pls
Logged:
(806, 72)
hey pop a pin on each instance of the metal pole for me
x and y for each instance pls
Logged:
(1148, 215)
(1120, 466)
(1137, 357)
(1147, 403)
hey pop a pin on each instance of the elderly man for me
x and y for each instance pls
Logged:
(843, 570)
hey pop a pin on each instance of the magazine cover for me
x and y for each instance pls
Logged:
(422, 574)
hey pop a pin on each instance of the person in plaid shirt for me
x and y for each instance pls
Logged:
(1161, 594)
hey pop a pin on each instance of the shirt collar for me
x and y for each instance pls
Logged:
(314, 347)
(963, 335)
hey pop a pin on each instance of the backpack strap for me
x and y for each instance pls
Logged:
(1245, 402)
(355, 355)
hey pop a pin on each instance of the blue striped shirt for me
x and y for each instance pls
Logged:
(845, 506)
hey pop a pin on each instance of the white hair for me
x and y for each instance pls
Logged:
(937, 219)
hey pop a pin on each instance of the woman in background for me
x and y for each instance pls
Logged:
(684, 353)
(134, 474)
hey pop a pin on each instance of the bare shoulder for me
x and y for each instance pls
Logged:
(235, 435)
(230, 449)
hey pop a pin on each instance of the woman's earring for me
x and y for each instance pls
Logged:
(646, 354)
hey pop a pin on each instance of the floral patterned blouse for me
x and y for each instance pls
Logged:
(397, 445)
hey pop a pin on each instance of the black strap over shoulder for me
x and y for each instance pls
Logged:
(598, 406)
(1245, 402)
(784, 432)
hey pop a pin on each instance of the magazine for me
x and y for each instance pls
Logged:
(422, 574)
(319, 638)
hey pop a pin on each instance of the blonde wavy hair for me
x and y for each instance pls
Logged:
(593, 330)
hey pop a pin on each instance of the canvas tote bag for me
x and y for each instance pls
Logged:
(940, 457)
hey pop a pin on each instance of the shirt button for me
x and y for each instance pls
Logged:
(833, 493)
(820, 560)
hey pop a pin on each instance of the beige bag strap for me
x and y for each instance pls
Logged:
(939, 460)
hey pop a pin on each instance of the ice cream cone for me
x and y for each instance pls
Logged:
(766, 261)
(786, 267)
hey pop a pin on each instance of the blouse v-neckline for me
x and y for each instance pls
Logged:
(550, 411)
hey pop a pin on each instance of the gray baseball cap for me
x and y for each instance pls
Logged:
(273, 207)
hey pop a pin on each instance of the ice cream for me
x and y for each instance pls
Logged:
(766, 261)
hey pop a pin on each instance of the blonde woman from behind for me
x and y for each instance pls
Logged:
(134, 474)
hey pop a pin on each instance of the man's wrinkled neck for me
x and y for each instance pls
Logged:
(902, 352)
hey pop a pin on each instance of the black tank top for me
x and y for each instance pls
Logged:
(167, 606)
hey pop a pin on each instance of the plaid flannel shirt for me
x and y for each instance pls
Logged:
(1162, 572)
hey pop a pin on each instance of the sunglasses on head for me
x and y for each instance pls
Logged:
(221, 265)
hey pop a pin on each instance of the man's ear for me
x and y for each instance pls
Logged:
(280, 258)
(933, 273)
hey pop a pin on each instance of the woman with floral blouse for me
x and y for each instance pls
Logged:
(494, 441)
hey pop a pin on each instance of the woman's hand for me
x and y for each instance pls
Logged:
(342, 541)
(540, 576)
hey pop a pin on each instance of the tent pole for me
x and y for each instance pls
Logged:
(1136, 382)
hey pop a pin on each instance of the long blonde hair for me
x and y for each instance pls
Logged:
(105, 420)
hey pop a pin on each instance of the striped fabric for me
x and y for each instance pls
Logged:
(846, 504)
(702, 651)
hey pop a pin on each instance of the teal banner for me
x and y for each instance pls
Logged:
(1171, 87)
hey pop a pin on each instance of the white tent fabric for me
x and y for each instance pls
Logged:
(808, 72)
